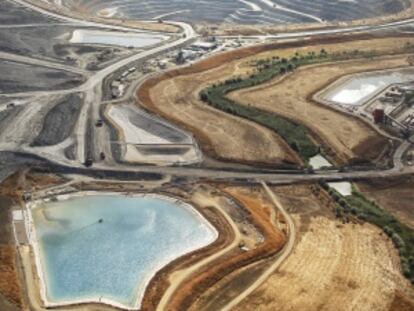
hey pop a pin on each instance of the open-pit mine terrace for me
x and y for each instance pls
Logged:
(240, 11)
(122, 189)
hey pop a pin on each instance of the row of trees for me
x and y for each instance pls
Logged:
(296, 135)
(401, 235)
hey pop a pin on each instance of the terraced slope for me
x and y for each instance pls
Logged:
(240, 11)
(335, 267)
(12, 13)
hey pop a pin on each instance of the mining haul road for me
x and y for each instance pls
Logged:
(92, 90)
(281, 257)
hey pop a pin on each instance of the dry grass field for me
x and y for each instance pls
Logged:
(230, 137)
(336, 267)
(290, 97)
(175, 96)
(334, 45)
(395, 195)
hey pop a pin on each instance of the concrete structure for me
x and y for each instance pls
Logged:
(207, 46)
(378, 115)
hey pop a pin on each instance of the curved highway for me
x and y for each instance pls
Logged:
(92, 89)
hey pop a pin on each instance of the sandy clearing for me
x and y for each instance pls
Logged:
(132, 133)
(334, 267)
(137, 154)
(289, 96)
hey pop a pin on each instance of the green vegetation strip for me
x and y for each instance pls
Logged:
(356, 205)
(296, 135)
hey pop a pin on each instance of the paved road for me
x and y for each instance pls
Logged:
(93, 88)
(122, 171)
(99, 76)
(398, 155)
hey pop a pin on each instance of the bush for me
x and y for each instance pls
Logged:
(401, 235)
(338, 212)
(398, 241)
(388, 231)
(294, 134)
(362, 216)
(342, 202)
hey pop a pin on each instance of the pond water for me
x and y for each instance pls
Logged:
(136, 40)
(108, 247)
(343, 187)
(319, 161)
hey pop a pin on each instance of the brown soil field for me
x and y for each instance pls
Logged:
(10, 288)
(395, 195)
(6, 235)
(274, 240)
(174, 96)
(21, 181)
(9, 284)
(303, 199)
(402, 302)
(231, 285)
(336, 267)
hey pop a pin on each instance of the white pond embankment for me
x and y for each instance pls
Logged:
(136, 40)
(355, 90)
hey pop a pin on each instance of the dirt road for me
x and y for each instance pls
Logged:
(284, 253)
(178, 277)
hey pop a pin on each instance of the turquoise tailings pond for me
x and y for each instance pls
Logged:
(106, 248)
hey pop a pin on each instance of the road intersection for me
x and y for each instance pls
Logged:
(92, 90)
